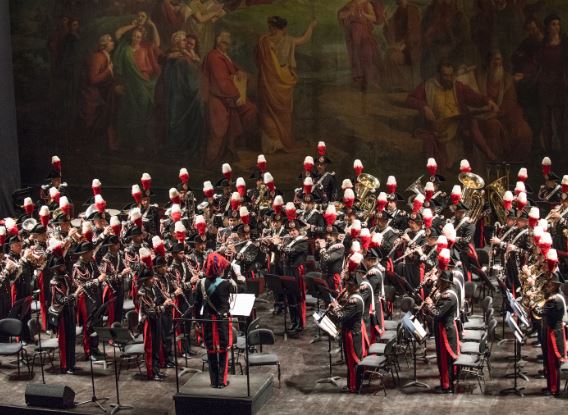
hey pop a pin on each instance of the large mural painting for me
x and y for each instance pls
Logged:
(117, 87)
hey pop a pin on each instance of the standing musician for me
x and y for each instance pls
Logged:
(412, 267)
(212, 303)
(113, 265)
(135, 239)
(558, 224)
(554, 333)
(294, 254)
(168, 287)
(465, 231)
(246, 254)
(276, 230)
(399, 217)
(62, 313)
(350, 316)
(516, 247)
(331, 253)
(315, 224)
(325, 184)
(373, 287)
(87, 276)
(152, 306)
(445, 312)
(5, 295)
(186, 279)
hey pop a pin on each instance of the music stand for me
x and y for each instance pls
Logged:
(417, 334)
(318, 288)
(326, 325)
(182, 319)
(94, 398)
(518, 336)
(274, 283)
(521, 316)
(120, 335)
(241, 306)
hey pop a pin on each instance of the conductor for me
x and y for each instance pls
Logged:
(212, 303)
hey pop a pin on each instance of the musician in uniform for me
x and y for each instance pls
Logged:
(167, 285)
(62, 313)
(412, 267)
(134, 239)
(399, 217)
(325, 184)
(444, 311)
(113, 265)
(150, 213)
(152, 306)
(559, 221)
(465, 231)
(294, 254)
(554, 334)
(549, 192)
(516, 246)
(246, 254)
(212, 303)
(87, 276)
(186, 280)
(373, 285)
(22, 280)
(315, 224)
(5, 295)
(350, 316)
(330, 254)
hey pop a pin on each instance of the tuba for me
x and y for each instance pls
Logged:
(416, 186)
(496, 190)
(365, 190)
(473, 195)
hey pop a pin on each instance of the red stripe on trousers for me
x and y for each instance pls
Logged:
(61, 340)
(82, 317)
(302, 288)
(352, 360)
(42, 301)
(230, 344)
(443, 363)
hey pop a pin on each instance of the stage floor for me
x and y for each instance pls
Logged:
(302, 365)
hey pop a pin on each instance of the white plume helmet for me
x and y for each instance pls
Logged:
(63, 201)
(135, 214)
(355, 246)
(173, 192)
(268, 178)
(179, 227)
(44, 211)
(391, 180)
(241, 182)
(278, 201)
(429, 187)
(53, 192)
(96, 183)
(157, 241)
(28, 201)
(115, 221)
(144, 252)
(346, 184)
(456, 190)
(330, 210)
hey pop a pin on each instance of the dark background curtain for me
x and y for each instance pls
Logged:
(9, 158)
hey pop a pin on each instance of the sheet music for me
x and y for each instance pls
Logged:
(242, 304)
(513, 326)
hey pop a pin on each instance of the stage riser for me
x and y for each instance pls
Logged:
(218, 403)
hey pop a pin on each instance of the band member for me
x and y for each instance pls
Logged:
(87, 276)
(315, 225)
(445, 311)
(350, 316)
(293, 258)
(186, 279)
(246, 254)
(399, 217)
(465, 231)
(331, 254)
(149, 299)
(516, 247)
(134, 238)
(113, 265)
(62, 313)
(166, 283)
(212, 303)
(373, 289)
(325, 184)
(554, 334)
(412, 267)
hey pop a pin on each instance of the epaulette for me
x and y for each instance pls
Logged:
(352, 300)
(337, 245)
